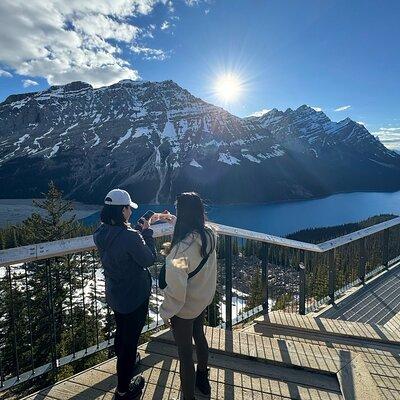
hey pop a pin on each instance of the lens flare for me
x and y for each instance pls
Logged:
(228, 87)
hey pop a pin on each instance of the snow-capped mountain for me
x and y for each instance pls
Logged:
(156, 139)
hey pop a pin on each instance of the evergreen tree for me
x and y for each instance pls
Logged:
(255, 298)
(54, 222)
(45, 314)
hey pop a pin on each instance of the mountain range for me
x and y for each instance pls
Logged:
(156, 139)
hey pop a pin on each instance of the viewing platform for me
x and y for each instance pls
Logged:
(283, 356)
(290, 320)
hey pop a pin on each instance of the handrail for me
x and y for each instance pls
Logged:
(56, 248)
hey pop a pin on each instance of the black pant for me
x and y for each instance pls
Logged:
(184, 330)
(129, 328)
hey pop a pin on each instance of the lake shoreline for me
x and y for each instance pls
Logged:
(277, 218)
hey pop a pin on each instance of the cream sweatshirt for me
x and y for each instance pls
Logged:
(183, 297)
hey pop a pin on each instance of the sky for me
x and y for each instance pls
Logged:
(338, 56)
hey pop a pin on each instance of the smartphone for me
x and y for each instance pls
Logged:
(146, 216)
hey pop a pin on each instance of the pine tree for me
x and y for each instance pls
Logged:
(256, 291)
(42, 300)
(214, 311)
(54, 222)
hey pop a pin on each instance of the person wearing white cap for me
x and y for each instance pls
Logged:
(126, 254)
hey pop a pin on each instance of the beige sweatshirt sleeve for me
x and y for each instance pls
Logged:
(176, 276)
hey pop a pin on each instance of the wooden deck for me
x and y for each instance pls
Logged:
(375, 303)
(378, 346)
(267, 360)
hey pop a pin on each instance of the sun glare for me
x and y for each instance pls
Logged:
(228, 87)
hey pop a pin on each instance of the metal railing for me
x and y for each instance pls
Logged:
(53, 312)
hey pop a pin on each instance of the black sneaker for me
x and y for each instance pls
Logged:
(135, 389)
(202, 382)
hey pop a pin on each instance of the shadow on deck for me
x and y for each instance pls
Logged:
(267, 360)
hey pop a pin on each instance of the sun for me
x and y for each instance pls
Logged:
(228, 87)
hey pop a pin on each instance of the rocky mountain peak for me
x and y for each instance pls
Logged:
(166, 140)
(71, 87)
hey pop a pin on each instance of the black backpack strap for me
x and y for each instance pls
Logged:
(201, 265)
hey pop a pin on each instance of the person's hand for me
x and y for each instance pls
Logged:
(167, 323)
(144, 224)
(167, 216)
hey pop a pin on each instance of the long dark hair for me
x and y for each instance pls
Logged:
(112, 215)
(191, 219)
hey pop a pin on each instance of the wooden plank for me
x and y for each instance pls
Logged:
(85, 243)
(263, 237)
(359, 330)
(226, 375)
(356, 382)
(69, 390)
(351, 237)
(271, 350)
(56, 248)
(393, 324)
(320, 339)
(253, 368)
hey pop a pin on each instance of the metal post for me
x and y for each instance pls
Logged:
(264, 275)
(302, 284)
(361, 261)
(50, 305)
(13, 322)
(385, 254)
(228, 281)
(332, 276)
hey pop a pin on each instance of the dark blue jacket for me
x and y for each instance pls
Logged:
(125, 254)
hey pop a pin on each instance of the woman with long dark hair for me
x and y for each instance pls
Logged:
(191, 277)
(126, 253)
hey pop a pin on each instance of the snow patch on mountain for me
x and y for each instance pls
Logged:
(141, 131)
(251, 158)
(195, 164)
(228, 159)
(54, 150)
(68, 129)
(21, 139)
(276, 152)
(96, 140)
(169, 131)
(122, 139)
(36, 141)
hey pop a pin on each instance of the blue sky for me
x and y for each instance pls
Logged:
(329, 54)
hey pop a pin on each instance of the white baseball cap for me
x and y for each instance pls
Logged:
(119, 197)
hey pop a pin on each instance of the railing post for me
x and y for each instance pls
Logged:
(50, 304)
(264, 275)
(385, 254)
(361, 261)
(228, 281)
(302, 284)
(332, 276)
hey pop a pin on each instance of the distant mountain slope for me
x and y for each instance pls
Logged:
(156, 139)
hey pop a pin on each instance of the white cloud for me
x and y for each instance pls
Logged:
(390, 137)
(70, 40)
(361, 123)
(261, 112)
(318, 109)
(342, 108)
(149, 53)
(165, 25)
(6, 74)
(28, 82)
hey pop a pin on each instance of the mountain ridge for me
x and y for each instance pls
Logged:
(160, 137)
